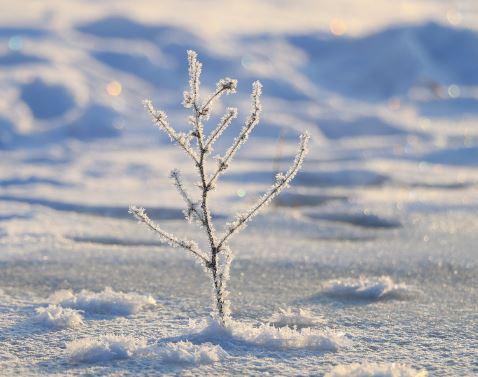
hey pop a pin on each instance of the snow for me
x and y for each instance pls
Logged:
(295, 318)
(268, 336)
(372, 288)
(105, 302)
(375, 370)
(57, 317)
(372, 247)
(185, 352)
(106, 348)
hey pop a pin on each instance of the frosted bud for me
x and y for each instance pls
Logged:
(187, 100)
(228, 85)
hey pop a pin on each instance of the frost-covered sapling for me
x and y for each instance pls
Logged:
(217, 259)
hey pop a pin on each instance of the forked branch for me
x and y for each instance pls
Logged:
(166, 237)
(282, 181)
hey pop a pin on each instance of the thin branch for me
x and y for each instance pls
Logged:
(246, 130)
(192, 210)
(160, 119)
(227, 86)
(166, 237)
(282, 181)
(221, 127)
(191, 97)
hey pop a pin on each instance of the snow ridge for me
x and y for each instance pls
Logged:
(267, 336)
(105, 302)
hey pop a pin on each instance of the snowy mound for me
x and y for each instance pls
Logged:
(106, 302)
(365, 288)
(375, 370)
(268, 336)
(188, 353)
(299, 319)
(107, 348)
(57, 317)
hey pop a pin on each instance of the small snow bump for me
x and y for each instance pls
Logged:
(295, 319)
(105, 302)
(269, 336)
(57, 317)
(374, 288)
(185, 352)
(375, 370)
(110, 347)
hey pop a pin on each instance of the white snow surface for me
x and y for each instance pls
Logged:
(58, 317)
(185, 352)
(106, 348)
(268, 336)
(385, 207)
(295, 318)
(375, 370)
(371, 288)
(104, 302)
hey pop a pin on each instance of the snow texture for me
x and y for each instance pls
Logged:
(106, 348)
(185, 352)
(296, 319)
(267, 336)
(105, 302)
(375, 370)
(57, 317)
(372, 288)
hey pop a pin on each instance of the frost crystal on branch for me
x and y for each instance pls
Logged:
(282, 182)
(194, 72)
(166, 237)
(225, 121)
(192, 211)
(161, 120)
(217, 261)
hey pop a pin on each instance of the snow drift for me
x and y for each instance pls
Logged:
(267, 336)
(105, 302)
(374, 288)
(110, 347)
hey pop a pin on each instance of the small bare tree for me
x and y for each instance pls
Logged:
(217, 259)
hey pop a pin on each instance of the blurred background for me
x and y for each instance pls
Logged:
(387, 88)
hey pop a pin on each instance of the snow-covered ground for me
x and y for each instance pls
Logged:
(366, 266)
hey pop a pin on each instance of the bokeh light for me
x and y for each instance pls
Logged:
(114, 88)
(454, 91)
(453, 17)
(337, 26)
(241, 193)
(15, 43)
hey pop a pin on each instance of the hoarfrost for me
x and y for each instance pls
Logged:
(185, 352)
(57, 317)
(268, 336)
